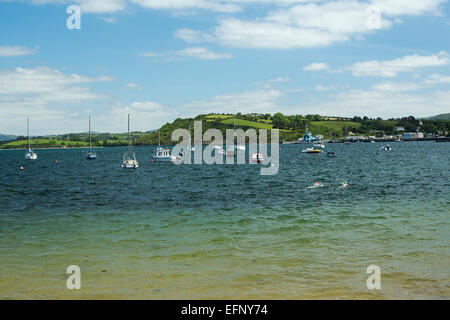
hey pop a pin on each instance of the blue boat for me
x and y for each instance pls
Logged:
(308, 138)
(91, 155)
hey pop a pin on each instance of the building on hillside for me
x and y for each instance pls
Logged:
(413, 135)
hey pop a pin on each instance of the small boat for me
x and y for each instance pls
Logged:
(331, 154)
(163, 155)
(387, 148)
(319, 145)
(129, 158)
(312, 150)
(231, 151)
(91, 155)
(30, 155)
(348, 142)
(256, 158)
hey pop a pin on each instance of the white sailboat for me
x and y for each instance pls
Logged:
(30, 155)
(129, 158)
(91, 155)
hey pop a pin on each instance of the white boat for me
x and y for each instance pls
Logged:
(319, 145)
(30, 155)
(129, 158)
(312, 150)
(231, 152)
(91, 155)
(256, 158)
(163, 155)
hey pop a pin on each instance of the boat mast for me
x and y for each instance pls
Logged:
(129, 143)
(28, 132)
(90, 139)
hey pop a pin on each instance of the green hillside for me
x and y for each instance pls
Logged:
(444, 116)
(246, 123)
(45, 143)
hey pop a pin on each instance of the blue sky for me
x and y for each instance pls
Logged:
(161, 60)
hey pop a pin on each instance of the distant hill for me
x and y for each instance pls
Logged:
(444, 116)
(6, 137)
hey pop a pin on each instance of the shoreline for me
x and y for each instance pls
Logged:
(447, 139)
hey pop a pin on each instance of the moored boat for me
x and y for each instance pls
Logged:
(30, 155)
(129, 158)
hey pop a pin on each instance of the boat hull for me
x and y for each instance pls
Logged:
(32, 156)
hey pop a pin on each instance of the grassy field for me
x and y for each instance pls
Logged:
(246, 123)
(336, 125)
(45, 143)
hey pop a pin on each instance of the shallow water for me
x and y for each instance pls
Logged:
(224, 231)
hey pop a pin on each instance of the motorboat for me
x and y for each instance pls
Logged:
(312, 150)
(163, 155)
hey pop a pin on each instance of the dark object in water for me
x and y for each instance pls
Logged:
(331, 154)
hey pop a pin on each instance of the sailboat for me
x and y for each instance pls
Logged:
(30, 155)
(91, 155)
(129, 158)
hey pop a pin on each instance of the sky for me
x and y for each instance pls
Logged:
(164, 59)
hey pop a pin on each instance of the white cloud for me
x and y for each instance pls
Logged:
(390, 68)
(102, 6)
(316, 66)
(145, 116)
(409, 7)
(321, 88)
(212, 5)
(246, 102)
(280, 79)
(310, 24)
(437, 79)
(6, 51)
(41, 80)
(380, 103)
(189, 53)
(132, 85)
(393, 86)
(46, 95)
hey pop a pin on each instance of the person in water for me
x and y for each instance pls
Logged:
(345, 184)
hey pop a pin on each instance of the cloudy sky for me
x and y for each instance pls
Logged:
(163, 59)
